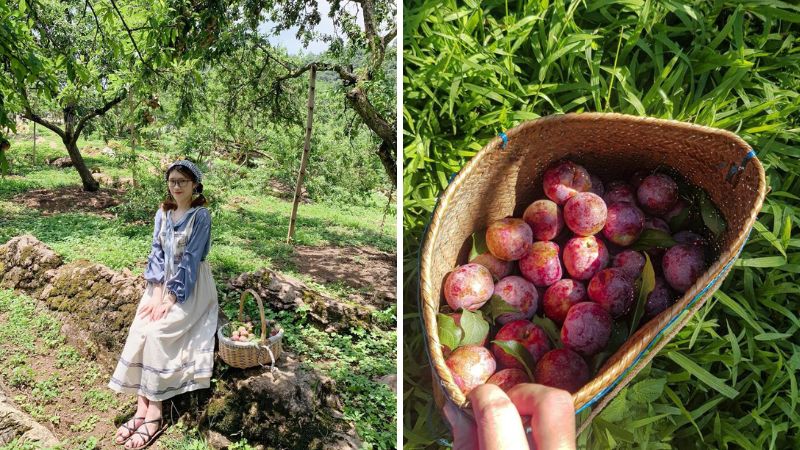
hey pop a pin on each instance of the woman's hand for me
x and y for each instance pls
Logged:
(163, 308)
(158, 306)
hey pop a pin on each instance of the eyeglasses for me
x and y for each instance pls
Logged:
(177, 183)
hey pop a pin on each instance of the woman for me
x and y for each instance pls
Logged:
(170, 346)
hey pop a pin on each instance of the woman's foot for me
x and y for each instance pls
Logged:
(127, 429)
(149, 430)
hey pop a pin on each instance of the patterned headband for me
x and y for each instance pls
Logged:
(187, 164)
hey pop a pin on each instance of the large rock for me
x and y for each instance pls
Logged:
(286, 293)
(15, 424)
(26, 263)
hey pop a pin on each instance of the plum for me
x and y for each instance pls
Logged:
(541, 266)
(471, 366)
(679, 212)
(508, 239)
(545, 219)
(683, 264)
(519, 293)
(618, 191)
(659, 299)
(584, 257)
(565, 179)
(586, 329)
(631, 262)
(585, 213)
(597, 185)
(624, 223)
(469, 287)
(655, 223)
(637, 177)
(499, 268)
(531, 336)
(508, 378)
(657, 193)
(561, 296)
(613, 290)
(562, 368)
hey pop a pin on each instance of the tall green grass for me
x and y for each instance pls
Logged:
(473, 69)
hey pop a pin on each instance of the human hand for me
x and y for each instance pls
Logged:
(157, 306)
(162, 308)
(498, 423)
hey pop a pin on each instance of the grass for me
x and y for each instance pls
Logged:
(729, 379)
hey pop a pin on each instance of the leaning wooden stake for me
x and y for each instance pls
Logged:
(306, 150)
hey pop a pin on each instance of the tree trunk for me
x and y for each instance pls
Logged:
(89, 183)
(386, 131)
(306, 149)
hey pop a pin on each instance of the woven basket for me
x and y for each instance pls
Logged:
(243, 355)
(506, 176)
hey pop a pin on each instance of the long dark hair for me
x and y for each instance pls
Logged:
(169, 202)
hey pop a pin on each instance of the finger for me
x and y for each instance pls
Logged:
(465, 435)
(552, 414)
(498, 422)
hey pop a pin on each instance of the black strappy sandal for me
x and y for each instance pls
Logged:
(131, 431)
(150, 438)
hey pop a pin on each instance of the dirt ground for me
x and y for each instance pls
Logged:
(69, 199)
(372, 272)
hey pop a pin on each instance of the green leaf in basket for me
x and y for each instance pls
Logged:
(650, 239)
(519, 353)
(550, 328)
(678, 223)
(475, 328)
(450, 334)
(711, 216)
(496, 307)
(478, 244)
(648, 283)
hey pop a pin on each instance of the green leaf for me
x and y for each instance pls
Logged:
(519, 353)
(475, 328)
(478, 244)
(497, 307)
(450, 334)
(678, 222)
(711, 216)
(617, 409)
(647, 284)
(703, 375)
(647, 391)
(550, 328)
(650, 239)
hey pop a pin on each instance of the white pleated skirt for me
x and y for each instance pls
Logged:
(175, 354)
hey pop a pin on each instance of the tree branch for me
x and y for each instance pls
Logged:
(98, 111)
(30, 115)
(130, 35)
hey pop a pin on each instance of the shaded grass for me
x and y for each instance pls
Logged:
(732, 65)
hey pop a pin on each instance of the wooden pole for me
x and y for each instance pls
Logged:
(33, 157)
(132, 125)
(306, 149)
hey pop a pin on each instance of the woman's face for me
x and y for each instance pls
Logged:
(180, 186)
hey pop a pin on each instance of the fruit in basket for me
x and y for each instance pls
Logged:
(597, 185)
(545, 219)
(613, 290)
(683, 264)
(532, 337)
(561, 296)
(508, 239)
(585, 214)
(541, 265)
(586, 329)
(565, 179)
(508, 378)
(618, 191)
(631, 262)
(687, 237)
(518, 293)
(499, 268)
(471, 366)
(657, 194)
(468, 287)
(562, 368)
(660, 298)
(584, 257)
(624, 223)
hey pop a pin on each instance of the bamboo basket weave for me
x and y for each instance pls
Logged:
(243, 355)
(506, 176)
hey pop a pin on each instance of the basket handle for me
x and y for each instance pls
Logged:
(260, 309)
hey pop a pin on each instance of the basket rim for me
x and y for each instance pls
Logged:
(428, 316)
(270, 340)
